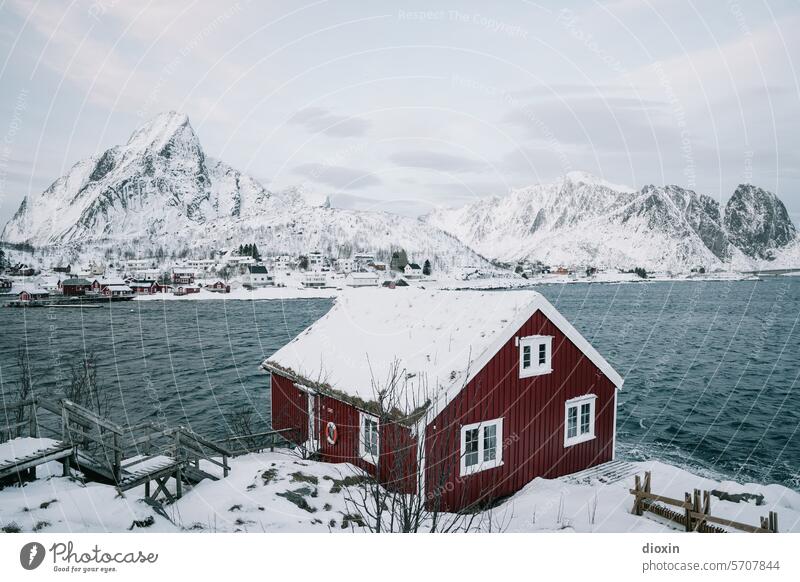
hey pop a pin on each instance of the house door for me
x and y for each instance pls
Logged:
(313, 425)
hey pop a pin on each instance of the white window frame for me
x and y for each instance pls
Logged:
(482, 465)
(533, 342)
(577, 403)
(362, 449)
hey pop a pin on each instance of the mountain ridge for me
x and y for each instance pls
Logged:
(580, 219)
(159, 190)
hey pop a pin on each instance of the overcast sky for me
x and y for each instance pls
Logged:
(405, 106)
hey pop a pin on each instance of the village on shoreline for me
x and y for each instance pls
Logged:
(242, 273)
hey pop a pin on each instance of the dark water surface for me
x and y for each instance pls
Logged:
(711, 368)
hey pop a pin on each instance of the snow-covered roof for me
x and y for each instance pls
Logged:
(32, 289)
(437, 340)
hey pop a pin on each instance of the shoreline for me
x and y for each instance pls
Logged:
(267, 293)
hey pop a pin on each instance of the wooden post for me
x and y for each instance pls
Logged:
(773, 522)
(225, 466)
(647, 481)
(34, 426)
(687, 497)
(696, 508)
(117, 459)
(636, 499)
(147, 489)
(65, 436)
(178, 482)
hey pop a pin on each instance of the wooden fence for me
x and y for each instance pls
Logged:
(694, 511)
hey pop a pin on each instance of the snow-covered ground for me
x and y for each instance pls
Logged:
(244, 294)
(279, 492)
(22, 447)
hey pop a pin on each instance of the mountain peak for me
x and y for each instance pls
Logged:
(757, 221)
(159, 130)
(582, 177)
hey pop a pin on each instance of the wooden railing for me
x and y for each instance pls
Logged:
(180, 442)
(695, 514)
(107, 442)
(260, 441)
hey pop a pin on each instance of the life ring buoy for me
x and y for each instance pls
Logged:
(331, 433)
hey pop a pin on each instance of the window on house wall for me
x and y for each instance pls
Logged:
(369, 438)
(481, 446)
(579, 419)
(535, 353)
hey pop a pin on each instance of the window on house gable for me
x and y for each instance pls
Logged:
(369, 438)
(579, 419)
(535, 355)
(481, 447)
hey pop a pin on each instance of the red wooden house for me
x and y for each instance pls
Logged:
(219, 287)
(146, 287)
(33, 294)
(466, 395)
(75, 286)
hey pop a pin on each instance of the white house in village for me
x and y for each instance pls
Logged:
(145, 274)
(315, 279)
(138, 264)
(201, 264)
(283, 264)
(315, 261)
(413, 271)
(362, 280)
(257, 276)
(239, 260)
(344, 266)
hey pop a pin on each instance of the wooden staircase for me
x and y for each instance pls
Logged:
(103, 451)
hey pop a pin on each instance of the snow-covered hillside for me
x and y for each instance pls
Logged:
(160, 190)
(582, 219)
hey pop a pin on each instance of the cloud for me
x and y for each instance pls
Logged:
(320, 120)
(612, 125)
(412, 208)
(437, 161)
(337, 176)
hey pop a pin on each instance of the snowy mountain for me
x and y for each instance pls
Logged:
(584, 220)
(757, 222)
(159, 190)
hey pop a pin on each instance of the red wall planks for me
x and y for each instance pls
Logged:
(533, 427)
(289, 408)
(398, 451)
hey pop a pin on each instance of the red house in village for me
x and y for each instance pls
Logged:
(75, 287)
(218, 287)
(464, 395)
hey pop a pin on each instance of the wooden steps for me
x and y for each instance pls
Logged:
(605, 474)
(55, 452)
(97, 447)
